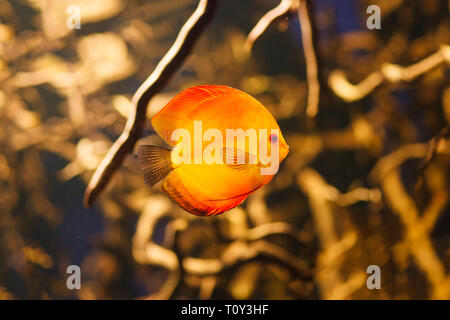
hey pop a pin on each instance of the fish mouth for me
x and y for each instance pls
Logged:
(284, 150)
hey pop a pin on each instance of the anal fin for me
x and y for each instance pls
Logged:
(185, 199)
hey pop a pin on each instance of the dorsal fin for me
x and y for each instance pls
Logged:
(155, 163)
(176, 114)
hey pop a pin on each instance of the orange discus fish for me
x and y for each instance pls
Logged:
(224, 146)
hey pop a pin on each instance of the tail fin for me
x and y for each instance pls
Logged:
(155, 163)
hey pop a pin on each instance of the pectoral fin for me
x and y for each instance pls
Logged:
(231, 157)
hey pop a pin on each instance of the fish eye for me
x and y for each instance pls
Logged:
(273, 138)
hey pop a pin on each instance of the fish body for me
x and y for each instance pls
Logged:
(220, 139)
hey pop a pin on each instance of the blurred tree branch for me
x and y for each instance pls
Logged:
(285, 9)
(173, 59)
(304, 9)
(240, 251)
(328, 273)
(408, 151)
(417, 227)
(417, 231)
(431, 153)
(389, 72)
(310, 49)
